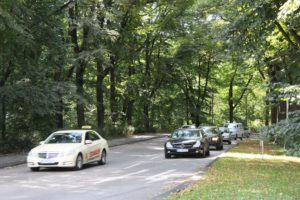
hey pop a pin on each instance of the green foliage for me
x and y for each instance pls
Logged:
(286, 133)
(151, 65)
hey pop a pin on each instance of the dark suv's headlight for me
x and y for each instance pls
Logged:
(197, 144)
(169, 145)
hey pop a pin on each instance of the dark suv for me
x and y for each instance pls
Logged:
(214, 135)
(187, 142)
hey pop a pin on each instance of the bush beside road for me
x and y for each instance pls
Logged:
(243, 173)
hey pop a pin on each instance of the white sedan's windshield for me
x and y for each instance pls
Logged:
(186, 134)
(64, 138)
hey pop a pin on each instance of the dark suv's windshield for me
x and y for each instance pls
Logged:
(186, 134)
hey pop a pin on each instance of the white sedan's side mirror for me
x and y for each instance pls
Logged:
(42, 142)
(88, 142)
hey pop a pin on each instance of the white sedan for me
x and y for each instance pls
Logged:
(69, 148)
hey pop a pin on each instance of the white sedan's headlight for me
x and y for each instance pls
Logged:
(169, 145)
(197, 144)
(33, 154)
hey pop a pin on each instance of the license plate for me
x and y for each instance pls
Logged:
(182, 150)
(47, 161)
(215, 139)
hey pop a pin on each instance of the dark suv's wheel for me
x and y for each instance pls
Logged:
(167, 155)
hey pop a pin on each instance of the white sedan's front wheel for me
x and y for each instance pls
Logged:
(102, 161)
(79, 162)
(34, 169)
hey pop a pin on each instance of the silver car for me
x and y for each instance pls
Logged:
(226, 134)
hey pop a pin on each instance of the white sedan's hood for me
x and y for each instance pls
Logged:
(56, 147)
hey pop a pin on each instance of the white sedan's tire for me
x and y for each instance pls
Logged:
(102, 161)
(34, 169)
(79, 162)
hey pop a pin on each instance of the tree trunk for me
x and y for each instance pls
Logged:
(113, 100)
(212, 109)
(285, 34)
(3, 119)
(129, 101)
(230, 102)
(230, 96)
(129, 112)
(59, 114)
(100, 97)
(267, 112)
(296, 36)
(60, 106)
(147, 83)
(7, 73)
(80, 92)
(197, 115)
(80, 65)
(146, 117)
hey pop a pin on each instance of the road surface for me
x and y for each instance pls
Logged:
(135, 172)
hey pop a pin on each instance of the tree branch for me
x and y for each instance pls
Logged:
(284, 33)
(243, 93)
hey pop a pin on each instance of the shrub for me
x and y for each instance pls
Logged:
(286, 133)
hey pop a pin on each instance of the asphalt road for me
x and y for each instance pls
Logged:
(135, 172)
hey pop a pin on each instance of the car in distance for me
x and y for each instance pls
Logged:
(236, 130)
(226, 134)
(188, 126)
(214, 135)
(187, 142)
(68, 148)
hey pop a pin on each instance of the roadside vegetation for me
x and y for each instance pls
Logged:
(247, 176)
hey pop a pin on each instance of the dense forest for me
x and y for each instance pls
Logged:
(146, 66)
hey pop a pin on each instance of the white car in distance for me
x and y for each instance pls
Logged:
(69, 148)
(236, 130)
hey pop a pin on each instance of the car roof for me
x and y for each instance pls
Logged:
(189, 129)
(207, 126)
(72, 130)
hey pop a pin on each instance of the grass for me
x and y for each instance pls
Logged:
(252, 147)
(244, 178)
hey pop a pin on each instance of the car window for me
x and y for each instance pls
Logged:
(93, 136)
(230, 126)
(215, 131)
(71, 137)
(209, 131)
(186, 134)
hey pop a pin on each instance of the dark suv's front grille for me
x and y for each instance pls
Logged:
(183, 146)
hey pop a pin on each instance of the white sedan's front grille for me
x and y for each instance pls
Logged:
(46, 155)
